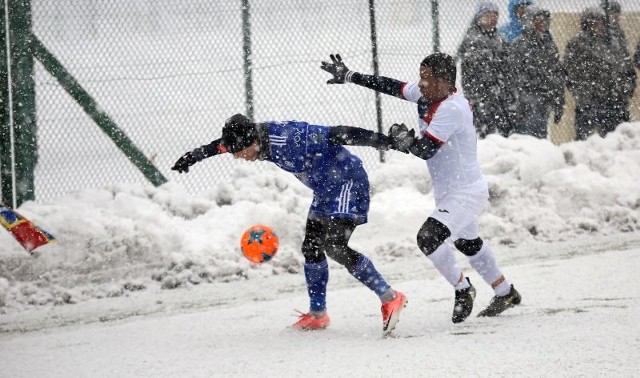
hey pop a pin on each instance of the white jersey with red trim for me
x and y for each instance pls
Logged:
(454, 168)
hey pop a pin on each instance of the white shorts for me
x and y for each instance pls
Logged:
(459, 212)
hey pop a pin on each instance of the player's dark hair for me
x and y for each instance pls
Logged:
(238, 133)
(442, 65)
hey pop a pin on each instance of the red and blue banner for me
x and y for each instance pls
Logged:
(26, 233)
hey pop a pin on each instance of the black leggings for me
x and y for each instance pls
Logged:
(329, 238)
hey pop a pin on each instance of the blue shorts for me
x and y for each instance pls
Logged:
(342, 200)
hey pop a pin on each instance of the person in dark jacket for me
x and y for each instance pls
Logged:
(538, 78)
(513, 29)
(626, 75)
(617, 33)
(636, 57)
(596, 77)
(483, 56)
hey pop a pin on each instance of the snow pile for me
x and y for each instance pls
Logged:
(121, 239)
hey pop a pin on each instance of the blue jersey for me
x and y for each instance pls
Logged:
(339, 182)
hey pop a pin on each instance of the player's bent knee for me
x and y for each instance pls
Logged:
(468, 247)
(431, 235)
(341, 254)
(311, 251)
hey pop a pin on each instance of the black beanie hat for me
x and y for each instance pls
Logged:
(238, 133)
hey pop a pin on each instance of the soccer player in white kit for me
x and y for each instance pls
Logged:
(447, 141)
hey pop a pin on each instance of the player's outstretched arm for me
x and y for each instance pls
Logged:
(341, 74)
(357, 136)
(190, 158)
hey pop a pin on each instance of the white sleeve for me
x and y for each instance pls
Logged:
(411, 92)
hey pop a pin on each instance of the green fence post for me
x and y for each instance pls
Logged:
(435, 12)
(246, 50)
(374, 57)
(89, 105)
(23, 104)
(6, 168)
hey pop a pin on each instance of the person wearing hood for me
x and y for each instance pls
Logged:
(513, 29)
(538, 79)
(483, 57)
(597, 77)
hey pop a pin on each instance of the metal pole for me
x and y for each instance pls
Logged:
(374, 57)
(436, 25)
(9, 107)
(23, 97)
(246, 49)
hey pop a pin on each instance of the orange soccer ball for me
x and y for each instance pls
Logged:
(259, 243)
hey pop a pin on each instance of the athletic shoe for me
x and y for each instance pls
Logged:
(499, 304)
(391, 313)
(464, 303)
(308, 322)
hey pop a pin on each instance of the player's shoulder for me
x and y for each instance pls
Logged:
(287, 125)
(456, 103)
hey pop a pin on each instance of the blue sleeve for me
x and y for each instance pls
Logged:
(318, 139)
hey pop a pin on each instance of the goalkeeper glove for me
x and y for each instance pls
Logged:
(337, 69)
(189, 159)
(401, 137)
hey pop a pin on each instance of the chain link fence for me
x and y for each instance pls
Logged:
(170, 72)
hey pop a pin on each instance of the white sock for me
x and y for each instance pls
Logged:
(484, 262)
(445, 261)
(503, 289)
(463, 284)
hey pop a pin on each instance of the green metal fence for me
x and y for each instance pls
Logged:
(162, 76)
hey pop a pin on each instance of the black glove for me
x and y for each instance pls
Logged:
(189, 159)
(401, 138)
(337, 69)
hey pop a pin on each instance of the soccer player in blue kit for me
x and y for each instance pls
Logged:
(447, 141)
(316, 155)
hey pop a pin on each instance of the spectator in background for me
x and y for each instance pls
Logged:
(596, 77)
(617, 34)
(636, 57)
(483, 56)
(513, 29)
(538, 79)
(626, 75)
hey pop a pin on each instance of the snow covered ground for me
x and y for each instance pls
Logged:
(147, 281)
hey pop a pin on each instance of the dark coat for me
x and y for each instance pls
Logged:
(536, 69)
(618, 36)
(599, 69)
(483, 56)
(590, 69)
